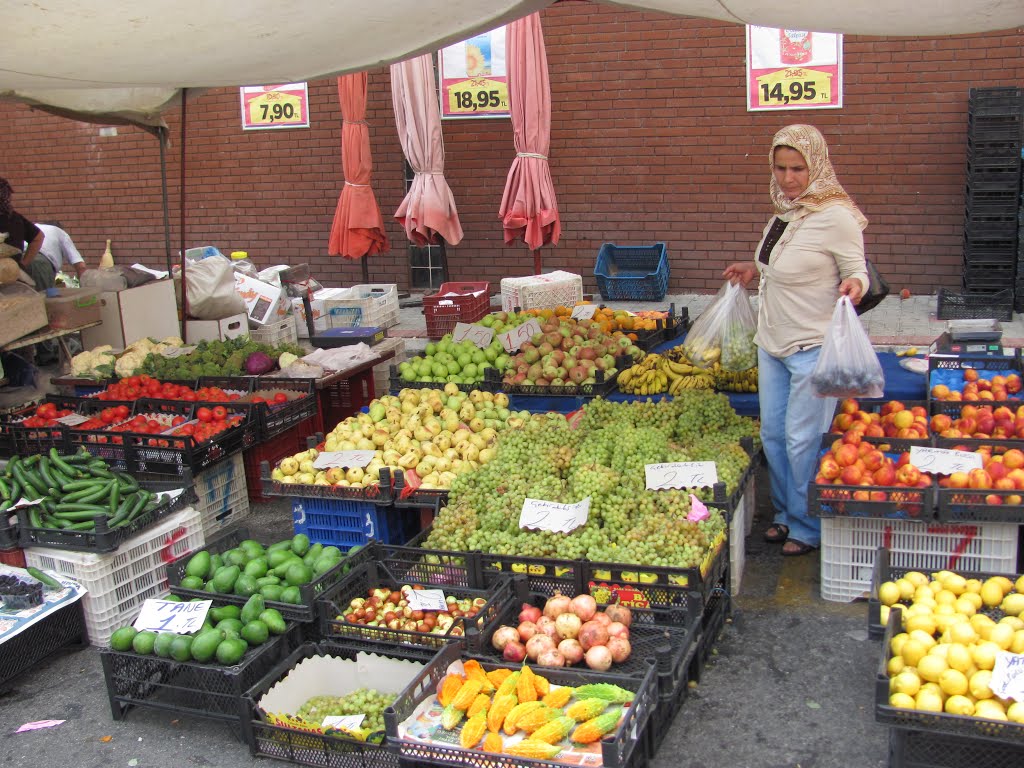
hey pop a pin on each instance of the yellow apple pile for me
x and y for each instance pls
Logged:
(942, 661)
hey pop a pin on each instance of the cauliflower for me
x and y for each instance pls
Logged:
(130, 361)
(95, 363)
(173, 341)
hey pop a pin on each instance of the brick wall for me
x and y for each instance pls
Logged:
(650, 140)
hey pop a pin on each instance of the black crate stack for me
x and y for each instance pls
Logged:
(994, 133)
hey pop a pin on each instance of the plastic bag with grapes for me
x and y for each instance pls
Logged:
(724, 332)
(847, 364)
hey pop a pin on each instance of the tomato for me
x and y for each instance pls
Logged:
(204, 414)
(258, 399)
(46, 411)
(220, 413)
(280, 397)
(121, 411)
(189, 397)
(177, 420)
(108, 415)
(131, 381)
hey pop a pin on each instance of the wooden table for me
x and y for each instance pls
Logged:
(46, 334)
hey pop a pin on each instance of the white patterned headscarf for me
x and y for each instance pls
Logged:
(823, 188)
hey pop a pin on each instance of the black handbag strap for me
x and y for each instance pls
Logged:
(772, 239)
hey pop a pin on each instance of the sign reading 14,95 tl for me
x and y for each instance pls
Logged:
(793, 69)
(274, 106)
(474, 81)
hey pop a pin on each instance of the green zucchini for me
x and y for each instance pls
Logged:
(48, 581)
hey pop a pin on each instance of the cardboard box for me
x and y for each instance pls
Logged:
(217, 330)
(318, 304)
(73, 307)
(22, 311)
(264, 303)
(133, 314)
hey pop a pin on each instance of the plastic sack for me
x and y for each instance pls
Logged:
(9, 271)
(847, 364)
(724, 332)
(211, 289)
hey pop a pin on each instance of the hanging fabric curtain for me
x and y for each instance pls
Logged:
(529, 210)
(428, 210)
(358, 229)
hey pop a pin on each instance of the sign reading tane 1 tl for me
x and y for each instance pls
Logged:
(266, 107)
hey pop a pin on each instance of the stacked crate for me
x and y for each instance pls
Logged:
(994, 132)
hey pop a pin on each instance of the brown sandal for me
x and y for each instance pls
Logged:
(801, 549)
(776, 533)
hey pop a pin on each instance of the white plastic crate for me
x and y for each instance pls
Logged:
(739, 529)
(377, 302)
(546, 291)
(118, 583)
(223, 495)
(849, 544)
(278, 332)
(382, 372)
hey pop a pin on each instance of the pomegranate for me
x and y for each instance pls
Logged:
(568, 625)
(584, 606)
(529, 613)
(619, 613)
(571, 649)
(556, 606)
(514, 651)
(602, 618)
(546, 626)
(503, 635)
(618, 629)
(551, 658)
(537, 644)
(599, 658)
(592, 634)
(619, 648)
(527, 630)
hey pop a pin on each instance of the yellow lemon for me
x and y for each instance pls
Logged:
(902, 700)
(953, 682)
(944, 609)
(895, 665)
(928, 700)
(1015, 712)
(991, 709)
(931, 667)
(939, 649)
(1019, 586)
(943, 622)
(982, 625)
(917, 578)
(883, 615)
(1013, 604)
(1004, 583)
(979, 684)
(935, 587)
(918, 609)
(907, 589)
(959, 705)
(962, 632)
(984, 654)
(1017, 646)
(906, 682)
(940, 576)
(955, 583)
(923, 637)
(896, 644)
(1014, 621)
(965, 606)
(913, 651)
(973, 598)
(974, 585)
(992, 593)
(1002, 635)
(958, 657)
(923, 622)
(922, 597)
(889, 593)
(945, 597)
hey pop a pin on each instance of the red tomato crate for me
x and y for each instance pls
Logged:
(443, 311)
(292, 440)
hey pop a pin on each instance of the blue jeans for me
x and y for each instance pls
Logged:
(792, 422)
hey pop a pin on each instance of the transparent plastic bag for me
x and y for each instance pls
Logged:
(847, 364)
(724, 332)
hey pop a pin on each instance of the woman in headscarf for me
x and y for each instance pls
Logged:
(811, 252)
(21, 233)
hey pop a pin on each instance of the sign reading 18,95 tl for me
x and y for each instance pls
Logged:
(793, 69)
(474, 81)
(274, 106)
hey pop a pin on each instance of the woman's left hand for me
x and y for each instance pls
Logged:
(851, 287)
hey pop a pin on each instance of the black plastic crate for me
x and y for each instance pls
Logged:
(911, 748)
(188, 409)
(619, 749)
(867, 501)
(406, 495)
(304, 611)
(1005, 201)
(65, 627)
(672, 327)
(396, 383)
(277, 418)
(8, 529)
(211, 691)
(662, 719)
(961, 306)
(717, 611)
(19, 440)
(432, 566)
(960, 505)
(979, 98)
(603, 385)
(471, 632)
(380, 494)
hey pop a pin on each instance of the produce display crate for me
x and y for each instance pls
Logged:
(672, 327)
(222, 498)
(396, 383)
(956, 505)
(632, 272)
(377, 304)
(304, 611)
(405, 494)
(103, 539)
(271, 451)
(913, 748)
(717, 610)
(12, 556)
(382, 371)
(603, 385)
(964, 306)
(276, 333)
(473, 633)
(119, 582)
(63, 628)
(546, 291)
(455, 303)
(618, 748)
(849, 546)
(662, 718)
(8, 529)
(874, 501)
(275, 419)
(211, 691)
(344, 398)
(19, 440)
(380, 494)
(346, 523)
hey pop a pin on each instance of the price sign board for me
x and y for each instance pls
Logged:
(1008, 676)
(542, 515)
(478, 334)
(944, 462)
(347, 459)
(793, 69)
(274, 106)
(680, 474)
(72, 419)
(427, 600)
(343, 722)
(513, 339)
(583, 311)
(474, 79)
(167, 616)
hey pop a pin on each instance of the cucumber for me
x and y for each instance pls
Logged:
(49, 582)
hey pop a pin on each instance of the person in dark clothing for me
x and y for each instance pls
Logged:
(21, 234)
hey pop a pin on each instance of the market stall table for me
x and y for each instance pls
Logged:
(343, 393)
(46, 334)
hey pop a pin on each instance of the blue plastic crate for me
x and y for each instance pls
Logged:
(346, 523)
(632, 272)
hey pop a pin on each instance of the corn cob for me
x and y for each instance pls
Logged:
(475, 672)
(451, 717)
(481, 703)
(524, 686)
(537, 750)
(448, 688)
(518, 711)
(508, 685)
(493, 743)
(473, 730)
(500, 707)
(467, 693)
(498, 676)
(595, 728)
(542, 685)
(586, 709)
(553, 731)
(537, 719)
(606, 691)
(558, 697)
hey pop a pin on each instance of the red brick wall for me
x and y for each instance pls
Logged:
(650, 140)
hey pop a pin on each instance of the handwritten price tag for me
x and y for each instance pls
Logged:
(478, 334)
(944, 462)
(343, 722)
(167, 616)
(584, 311)
(1008, 676)
(541, 515)
(513, 339)
(348, 459)
(427, 600)
(680, 474)
(72, 419)
(173, 352)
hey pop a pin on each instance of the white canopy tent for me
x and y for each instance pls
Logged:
(121, 59)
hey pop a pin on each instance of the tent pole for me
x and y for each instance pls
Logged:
(161, 136)
(366, 270)
(181, 223)
(536, 261)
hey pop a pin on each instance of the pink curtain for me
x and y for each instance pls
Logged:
(358, 229)
(529, 210)
(428, 210)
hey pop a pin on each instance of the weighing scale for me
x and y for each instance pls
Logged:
(970, 337)
(298, 284)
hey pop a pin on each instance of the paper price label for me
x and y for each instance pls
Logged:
(541, 515)
(513, 339)
(478, 334)
(944, 462)
(343, 722)
(794, 86)
(167, 616)
(680, 474)
(584, 311)
(478, 96)
(72, 419)
(275, 106)
(1008, 676)
(173, 352)
(427, 600)
(348, 459)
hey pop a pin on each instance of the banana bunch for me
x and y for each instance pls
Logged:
(734, 381)
(658, 373)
